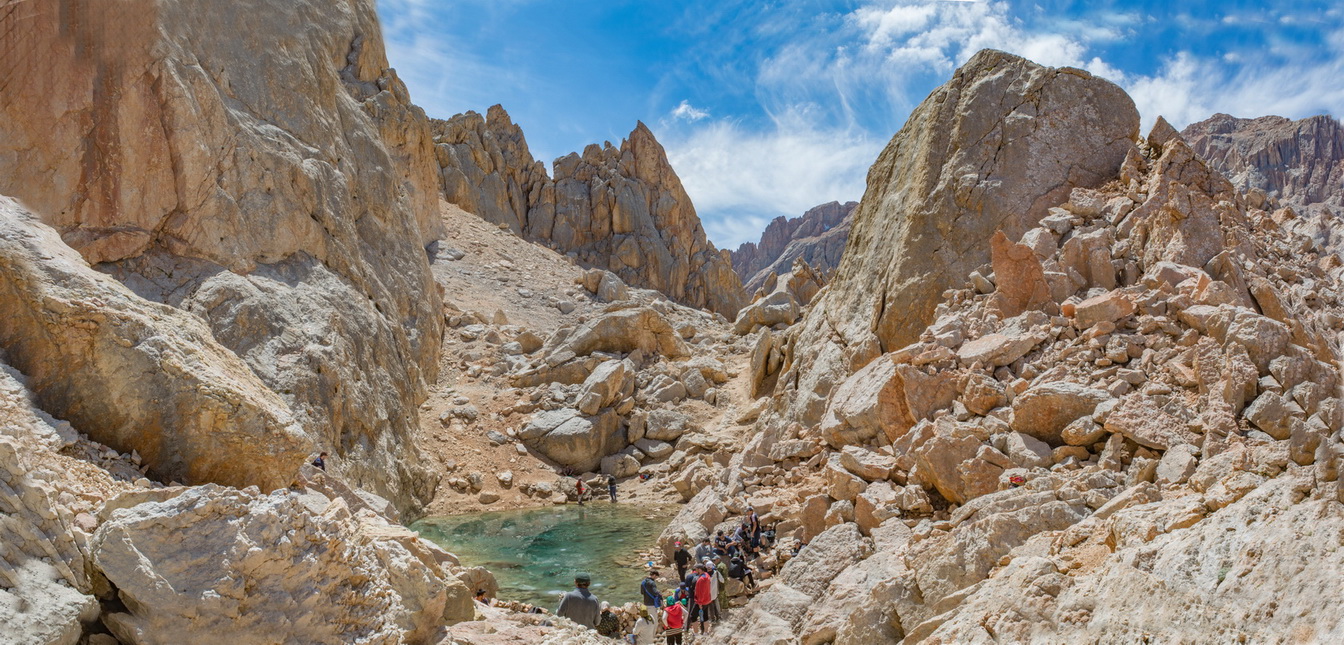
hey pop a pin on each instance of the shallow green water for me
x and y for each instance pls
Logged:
(535, 553)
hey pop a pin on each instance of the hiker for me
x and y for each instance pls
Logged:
(644, 630)
(683, 559)
(738, 570)
(674, 622)
(580, 605)
(754, 527)
(480, 597)
(648, 588)
(768, 537)
(578, 486)
(703, 551)
(607, 623)
(700, 598)
(714, 581)
(721, 574)
(611, 487)
(321, 462)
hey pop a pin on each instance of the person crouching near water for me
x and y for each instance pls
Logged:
(580, 605)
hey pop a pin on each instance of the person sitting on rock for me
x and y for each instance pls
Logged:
(580, 605)
(739, 570)
(480, 597)
(607, 623)
(704, 551)
(644, 630)
(321, 462)
(721, 542)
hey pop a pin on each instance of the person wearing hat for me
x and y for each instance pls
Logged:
(607, 623)
(713, 573)
(580, 605)
(721, 571)
(644, 630)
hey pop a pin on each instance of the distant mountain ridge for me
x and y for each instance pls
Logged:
(818, 237)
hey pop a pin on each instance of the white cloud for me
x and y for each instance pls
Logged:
(740, 179)
(687, 112)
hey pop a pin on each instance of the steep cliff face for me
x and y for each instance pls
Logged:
(282, 193)
(1299, 164)
(818, 238)
(618, 208)
(990, 150)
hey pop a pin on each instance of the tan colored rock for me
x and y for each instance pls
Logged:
(611, 382)
(284, 198)
(997, 350)
(1043, 411)
(868, 464)
(884, 399)
(841, 484)
(193, 411)
(778, 308)
(196, 563)
(992, 149)
(1140, 420)
(875, 505)
(1019, 278)
(622, 209)
(573, 440)
(981, 393)
(624, 331)
(1107, 307)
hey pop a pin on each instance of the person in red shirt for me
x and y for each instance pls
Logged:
(674, 621)
(702, 597)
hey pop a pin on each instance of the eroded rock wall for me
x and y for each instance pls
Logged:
(617, 208)
(281, 187)
(817, 237)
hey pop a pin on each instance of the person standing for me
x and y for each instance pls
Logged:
(714, 581)
(674, 622)
(611, 487)
(754, 526)
(682, 558)
(580, 605)
(701, 598)
(721, 570)
(578, 487)
(648, 588)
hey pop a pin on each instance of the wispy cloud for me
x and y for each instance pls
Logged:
(687, 112)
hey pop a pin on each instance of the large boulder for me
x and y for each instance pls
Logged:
(1043, 411)
(992, 149)
(137, 375)
(249, 568)
(884, 400)
(572, 440)
(624, 331)
(283, 194)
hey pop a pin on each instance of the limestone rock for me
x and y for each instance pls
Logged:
(779, 307)
(1043, 411)
(870, 465)
(1107, 307)
(284, 196)
(611, 382)
(194, 412)
(1020, 279)
(624, 331)
(884, 399)
(618, 208)
(1140, 420)
(573, 440)
(199, 563)
(817, 237)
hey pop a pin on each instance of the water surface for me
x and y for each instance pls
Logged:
(535, 553)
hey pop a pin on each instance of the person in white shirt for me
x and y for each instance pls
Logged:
(645, 630)
(714, 580)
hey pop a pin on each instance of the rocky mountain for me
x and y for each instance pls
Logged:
(1112, 425)
(1298, 164)
(818, 238)
(622, 209)
(281, 196)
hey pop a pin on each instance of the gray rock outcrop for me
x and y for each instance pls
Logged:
(818, 237)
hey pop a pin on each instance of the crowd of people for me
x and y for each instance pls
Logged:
(698, 599)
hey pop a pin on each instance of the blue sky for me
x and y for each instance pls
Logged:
(768, 108)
